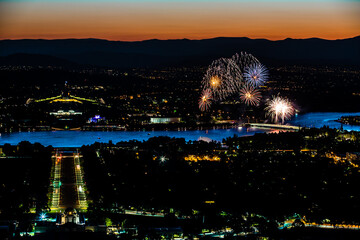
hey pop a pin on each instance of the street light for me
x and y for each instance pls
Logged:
(42, 216)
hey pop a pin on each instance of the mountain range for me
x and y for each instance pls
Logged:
(184, 52)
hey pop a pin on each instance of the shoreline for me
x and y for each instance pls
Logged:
(349, 120)
(119, 128)
(80, 138)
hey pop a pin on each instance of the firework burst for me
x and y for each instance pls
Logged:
(215, 82)
(279, 109)
(256, 74)
(244, 60)
(205, 100)
(250, 95)
(226, 77)
(223, 77)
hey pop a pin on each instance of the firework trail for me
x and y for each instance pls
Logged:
(249, 95)
(244, 60)
(205, 100)
(223, 77)
(279, 109)
(256, 74)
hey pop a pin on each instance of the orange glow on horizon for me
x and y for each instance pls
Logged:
(142, 21)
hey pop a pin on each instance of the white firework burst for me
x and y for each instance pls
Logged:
(279, 109)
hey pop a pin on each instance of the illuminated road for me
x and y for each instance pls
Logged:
(68, 193)
(79, 182)
(55, 181)
(68, 189)
(143, 213)
(333, 226)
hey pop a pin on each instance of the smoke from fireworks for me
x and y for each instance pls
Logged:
(256, 74)
(279, 109)
(205, 100)
(250, 95)
(223, 77)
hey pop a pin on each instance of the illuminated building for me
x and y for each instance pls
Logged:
(67, 111)
(194, 158)
(165, 120)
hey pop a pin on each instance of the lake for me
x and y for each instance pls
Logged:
(79, 138)
(320, 119)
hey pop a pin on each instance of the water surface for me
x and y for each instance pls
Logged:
(320, 119)
(79, 138)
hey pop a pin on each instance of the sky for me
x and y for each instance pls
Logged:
(138, 20)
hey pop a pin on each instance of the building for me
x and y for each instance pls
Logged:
(66, 111)
(164, 120)
(70, 216)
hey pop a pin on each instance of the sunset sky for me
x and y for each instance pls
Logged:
(145, 19)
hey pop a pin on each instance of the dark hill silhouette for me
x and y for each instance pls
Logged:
(154, 52)
(23, 59)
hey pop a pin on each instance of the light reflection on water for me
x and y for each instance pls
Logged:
(79, 138)
(320, 119)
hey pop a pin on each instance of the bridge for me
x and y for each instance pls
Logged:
(272, 126)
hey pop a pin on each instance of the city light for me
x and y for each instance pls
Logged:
(194, 158)
(181, 138)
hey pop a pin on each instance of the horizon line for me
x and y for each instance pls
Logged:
(171, 39)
